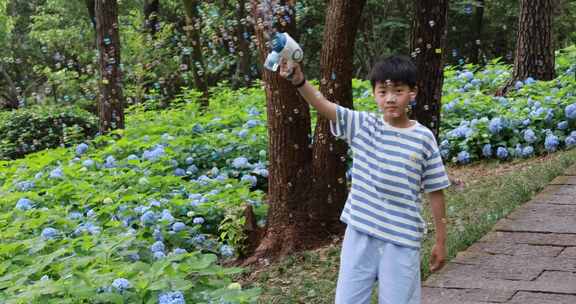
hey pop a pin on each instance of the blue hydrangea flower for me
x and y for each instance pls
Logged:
(91, 213)
(487, 150)
(252, 123)
(81, 149)
(527, 151)
(463, 157)
(530, 136)
(518, 150)
(110, 162)
(89, 163)
(502, 153)
(563, 125)
(197, 128)
(132, 157)
(49, 233)
(171, 297)
(157, 246)
(243, 133)
(177, 251)
(189, 160)
(261, 172)
(75, 215)
(529, 81)
(24, 204)
(56, 173)
(240, 163)
(518, 85)
(570, 111)
(199, 239)
(551, 142)
(25, 186)
(159, 255)
(467, 75)
(167, 216)
(570, 141)
(496, 125)
(153, 154)
(121, 285)
(549, 116)
(198, 220)
(148, 218)
(526, 122)
(191, 170)
(253, 111)
(203, 180)
(87, 227)
(178, 226)
(249, 178)
(179, 172)
(227, 251)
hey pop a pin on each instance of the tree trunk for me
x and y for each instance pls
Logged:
(91, 6)
(243, 68)
(193, 27)
(110, 99)
(478, 18)
(10, 94)
(534, 55)
(336, 69)
(290, 156)
(428, 45)
(305, 199)
(151, 12)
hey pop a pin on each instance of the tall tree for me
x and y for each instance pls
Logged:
(428, 45)
(110, 99)
(193, 27)
(305, 201)
(534, 56)
(477, 33)
(151, 14)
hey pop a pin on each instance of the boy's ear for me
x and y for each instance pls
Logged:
(413, 93)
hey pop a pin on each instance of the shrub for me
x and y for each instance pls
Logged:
(37, 128)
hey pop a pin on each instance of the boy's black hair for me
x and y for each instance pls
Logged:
(396, 68)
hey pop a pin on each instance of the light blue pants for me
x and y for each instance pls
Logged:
(365, 259)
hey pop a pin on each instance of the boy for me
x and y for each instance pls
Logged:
(394, 160)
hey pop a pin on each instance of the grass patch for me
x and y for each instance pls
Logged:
(482, 195)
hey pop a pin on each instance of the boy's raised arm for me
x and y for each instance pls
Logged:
(294, 74)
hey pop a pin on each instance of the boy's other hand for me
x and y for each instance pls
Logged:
(437, 257)
(291, 71)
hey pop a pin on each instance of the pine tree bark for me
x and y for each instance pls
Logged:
(110, 99)
(534, 56)
(428, 46)
(305, 199)
(197, 66)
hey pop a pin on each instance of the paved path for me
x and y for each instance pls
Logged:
(529, 257)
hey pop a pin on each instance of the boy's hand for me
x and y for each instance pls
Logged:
(437, 257)
(291, 71)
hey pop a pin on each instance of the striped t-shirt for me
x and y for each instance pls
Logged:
(391, 167)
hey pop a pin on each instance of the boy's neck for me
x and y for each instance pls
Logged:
(398, 122)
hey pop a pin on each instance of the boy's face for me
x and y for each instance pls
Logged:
(393, 98)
